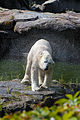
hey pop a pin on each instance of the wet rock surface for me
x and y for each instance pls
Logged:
(15, 96)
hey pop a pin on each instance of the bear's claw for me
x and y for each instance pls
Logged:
(36, 89)
(25, 81)
(41, 88)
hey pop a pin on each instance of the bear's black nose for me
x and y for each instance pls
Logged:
(46, 67)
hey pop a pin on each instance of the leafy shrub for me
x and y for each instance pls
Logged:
(64, 109)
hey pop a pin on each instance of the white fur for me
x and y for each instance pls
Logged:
(39, 67)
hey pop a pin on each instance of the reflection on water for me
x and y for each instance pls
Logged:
(12, 69)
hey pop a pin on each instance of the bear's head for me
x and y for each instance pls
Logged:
(45, 60)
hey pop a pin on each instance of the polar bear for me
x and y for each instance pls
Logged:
(39, 67)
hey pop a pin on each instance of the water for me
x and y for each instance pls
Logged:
(67, 72)
(63, 72)
(11, 69)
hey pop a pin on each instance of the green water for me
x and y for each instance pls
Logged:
(11, 69)
(67, 72)
(63, 72)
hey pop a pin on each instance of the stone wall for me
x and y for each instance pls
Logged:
(65, 44)
(24, 28)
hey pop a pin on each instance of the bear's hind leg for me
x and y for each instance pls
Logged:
(27, 75)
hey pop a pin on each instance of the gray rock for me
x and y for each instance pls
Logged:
(6, 19)
(45, 93)
(15, 96)
(47, 23)
(37, 7)
(25, 16)
(51, 6)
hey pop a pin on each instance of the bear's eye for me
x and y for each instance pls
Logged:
(45, 61)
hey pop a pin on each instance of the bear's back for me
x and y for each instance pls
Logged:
(39, 46)
(42, 42)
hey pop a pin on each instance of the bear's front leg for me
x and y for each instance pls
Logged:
(47, 78)
(40, 77)
(34, 78)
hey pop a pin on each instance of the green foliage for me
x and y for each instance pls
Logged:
(70, 100)
(66, 109)
(1, 9)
